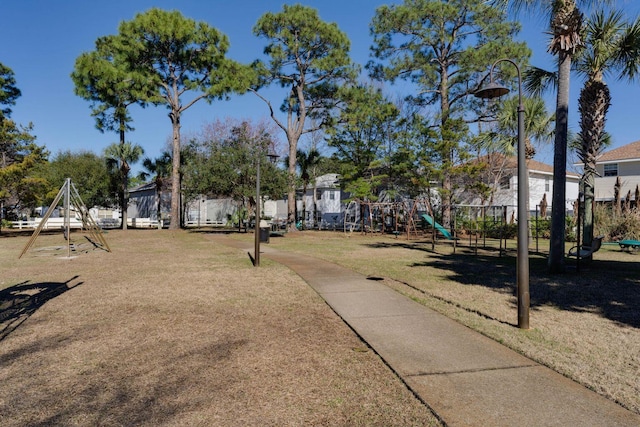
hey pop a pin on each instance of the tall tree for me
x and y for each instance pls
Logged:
(104, 78)
(363, 138)
(19, 156)
(565, 26)
(612, 46)
(308, 57)
(119, 158)
(442, 46)
(8, 91)
(178, 57)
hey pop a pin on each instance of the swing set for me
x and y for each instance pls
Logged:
(93, 238)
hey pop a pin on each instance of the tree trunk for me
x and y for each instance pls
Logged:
(556, 245)
(315, 204)
(587, 217)
(291, 195)
(304, 206)
(125, 196)
(446, 201)
(175, 173)
(159, 204)
(123, 189)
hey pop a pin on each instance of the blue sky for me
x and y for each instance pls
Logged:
(42, 38)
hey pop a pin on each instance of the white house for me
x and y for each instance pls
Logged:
(505, 185)
(326, 206)
(623, 163)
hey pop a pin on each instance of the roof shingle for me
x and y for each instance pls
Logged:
(626, 152)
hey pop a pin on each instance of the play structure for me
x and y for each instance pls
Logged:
(629, 245)
(93, 238)
(412, 218)
(472, 226)
(437, 226)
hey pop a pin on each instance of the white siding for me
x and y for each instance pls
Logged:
(604, 187)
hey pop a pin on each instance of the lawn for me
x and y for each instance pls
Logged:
(171, 328)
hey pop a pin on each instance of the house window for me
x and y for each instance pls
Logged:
(546, 184)
(332, 195)
(611, 169)
(505, 183)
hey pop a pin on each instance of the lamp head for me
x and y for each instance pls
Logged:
(273, 157)
(492, 90)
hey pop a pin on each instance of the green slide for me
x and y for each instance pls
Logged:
(440, 228)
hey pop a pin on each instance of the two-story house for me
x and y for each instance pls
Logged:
(623, 163)
(502, 177)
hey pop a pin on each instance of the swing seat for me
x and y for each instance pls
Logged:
(585, 251)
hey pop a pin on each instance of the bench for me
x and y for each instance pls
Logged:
(585, 251)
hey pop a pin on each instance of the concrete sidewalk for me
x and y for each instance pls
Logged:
(466, 378)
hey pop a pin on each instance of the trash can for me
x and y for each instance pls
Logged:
(264, 234)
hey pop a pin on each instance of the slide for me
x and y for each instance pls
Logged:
(440, 228)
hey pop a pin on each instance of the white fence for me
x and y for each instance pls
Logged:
(57, 223)
(205, 223)
(51, 223)
(142, 223)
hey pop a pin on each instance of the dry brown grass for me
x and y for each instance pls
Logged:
(173, 329)
(585, 325)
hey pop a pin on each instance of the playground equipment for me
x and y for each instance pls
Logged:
(71, 199)
(437, 226)
(629, 245)
(586, 251)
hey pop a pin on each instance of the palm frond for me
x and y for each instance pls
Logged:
(538, 81)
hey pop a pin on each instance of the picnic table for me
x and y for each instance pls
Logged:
(630, 245)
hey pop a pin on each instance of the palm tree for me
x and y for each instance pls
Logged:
(612, 47)
(565, 28)
(160, 168)
(537, 125)
(119, 157)
(306, 161)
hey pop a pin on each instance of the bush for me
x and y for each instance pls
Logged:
(491, 228)
(541, 227)
(616, 227)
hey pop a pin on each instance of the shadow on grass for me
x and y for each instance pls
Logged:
(608, 288)
(20, 301)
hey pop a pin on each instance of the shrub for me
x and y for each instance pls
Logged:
(616, 227)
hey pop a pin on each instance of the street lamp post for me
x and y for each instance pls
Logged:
(256, 227)
(494, 90)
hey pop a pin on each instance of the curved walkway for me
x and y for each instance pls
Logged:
(466, 378)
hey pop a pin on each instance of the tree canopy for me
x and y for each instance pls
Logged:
(223, 162)
(445, 48)
(87, 170)
(180, 62)
(8, 91)
(19, 153)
